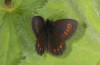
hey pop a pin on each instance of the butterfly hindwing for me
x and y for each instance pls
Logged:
(56, 45)
(40, 45)
(65, 28)
(38, 25)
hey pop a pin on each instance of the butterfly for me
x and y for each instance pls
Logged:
(51, 36)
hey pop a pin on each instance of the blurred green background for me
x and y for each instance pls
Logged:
(17, 39)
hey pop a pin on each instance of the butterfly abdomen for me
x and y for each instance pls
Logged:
(48, 30)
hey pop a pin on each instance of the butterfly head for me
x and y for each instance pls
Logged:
(48, 25)
(48, 22)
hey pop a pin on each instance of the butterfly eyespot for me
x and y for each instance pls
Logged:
(65, 33)
(61, 46)
(69, 26)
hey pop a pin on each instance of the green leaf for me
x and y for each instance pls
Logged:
(12, 21)
(17, 39)
(10, 48)
(83, 48)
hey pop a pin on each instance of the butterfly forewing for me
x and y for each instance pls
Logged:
(38, 25)
(65, 28)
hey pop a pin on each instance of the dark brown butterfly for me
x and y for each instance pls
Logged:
(51, 35)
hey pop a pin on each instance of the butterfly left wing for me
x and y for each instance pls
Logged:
(38, 28)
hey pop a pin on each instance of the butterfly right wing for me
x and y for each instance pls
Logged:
(62, 30)
(38, 28)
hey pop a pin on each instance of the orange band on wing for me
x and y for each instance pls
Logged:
(36, 25)
(61, 46)
(68, 28)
